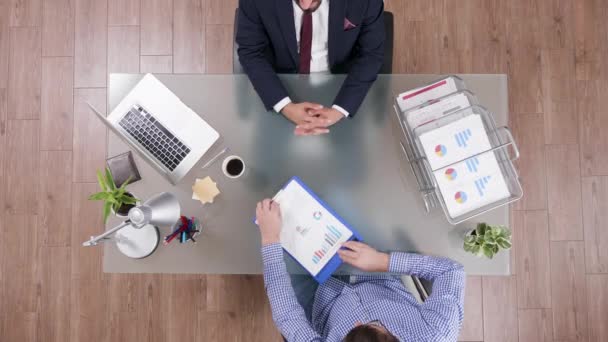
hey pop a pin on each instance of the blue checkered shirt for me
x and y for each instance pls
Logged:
(339, 305)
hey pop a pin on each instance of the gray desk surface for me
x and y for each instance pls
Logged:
(358, 169)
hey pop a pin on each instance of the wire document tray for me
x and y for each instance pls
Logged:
(435, 179)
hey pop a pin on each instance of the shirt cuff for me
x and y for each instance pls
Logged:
(400, 262)
(272, 253)
(281, 104)
(341, 110)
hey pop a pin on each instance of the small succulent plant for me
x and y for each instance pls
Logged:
(113, 197)
(486, 240)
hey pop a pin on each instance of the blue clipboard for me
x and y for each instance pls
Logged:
(335, 262)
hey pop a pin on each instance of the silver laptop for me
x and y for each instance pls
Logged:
(162, 129)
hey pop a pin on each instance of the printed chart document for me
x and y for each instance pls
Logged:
(470, 181)
(456, 141)
(471, 184)
(311, 233)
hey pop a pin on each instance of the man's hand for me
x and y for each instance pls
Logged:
(327, 117)
(302, 113)
(363, 257)
(268, 215)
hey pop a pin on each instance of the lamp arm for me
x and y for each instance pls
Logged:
(94, 239)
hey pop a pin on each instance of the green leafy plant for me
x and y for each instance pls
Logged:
(487, 240)
(114, 197)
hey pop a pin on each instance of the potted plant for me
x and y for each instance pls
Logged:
(116, 199)
(487, 240)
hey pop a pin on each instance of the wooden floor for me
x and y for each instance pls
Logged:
(56, 54)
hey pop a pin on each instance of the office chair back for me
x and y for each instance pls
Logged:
(387, 66)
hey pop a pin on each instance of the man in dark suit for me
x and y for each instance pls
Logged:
(305, 36)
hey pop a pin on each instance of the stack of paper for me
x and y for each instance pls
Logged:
(437, 109)
(466, 180)
(416, 97)
(446, 127)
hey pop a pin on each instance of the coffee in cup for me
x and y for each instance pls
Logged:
(233, 167)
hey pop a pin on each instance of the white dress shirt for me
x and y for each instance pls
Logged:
(319, 61)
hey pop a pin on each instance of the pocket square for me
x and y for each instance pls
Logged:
(348, 25)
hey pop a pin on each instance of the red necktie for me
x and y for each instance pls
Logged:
(305, 42)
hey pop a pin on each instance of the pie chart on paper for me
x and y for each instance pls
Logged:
(460, 197)
(440, 150)
(451, 174)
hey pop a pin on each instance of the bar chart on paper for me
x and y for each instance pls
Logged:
(310, 232)
(472, 164)
(481, 183)
(331, 237)
(463, 137)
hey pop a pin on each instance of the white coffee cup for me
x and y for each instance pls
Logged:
(233, 167)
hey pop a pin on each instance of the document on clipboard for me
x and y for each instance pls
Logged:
(311, 233)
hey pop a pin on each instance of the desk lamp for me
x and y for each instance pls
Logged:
(138, 236)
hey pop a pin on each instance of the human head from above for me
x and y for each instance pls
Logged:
(370, 332)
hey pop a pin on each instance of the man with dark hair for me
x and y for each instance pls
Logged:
(368, 333)
(373, 308)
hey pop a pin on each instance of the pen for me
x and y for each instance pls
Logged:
(214, 158)
(167, 240)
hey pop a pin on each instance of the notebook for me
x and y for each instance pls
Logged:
(312, 232)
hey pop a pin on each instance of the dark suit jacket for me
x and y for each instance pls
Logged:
(267, 45)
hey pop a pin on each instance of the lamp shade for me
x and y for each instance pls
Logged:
(161, 210)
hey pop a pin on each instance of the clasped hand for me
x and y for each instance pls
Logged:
(357, 254)
(311, 118)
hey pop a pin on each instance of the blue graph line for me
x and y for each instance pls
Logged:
(480, 184)
(331, 238)
(472, 164)
(330, 231)
(463, 137)
(336, 233)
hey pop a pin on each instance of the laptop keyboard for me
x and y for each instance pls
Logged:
(154, 137)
